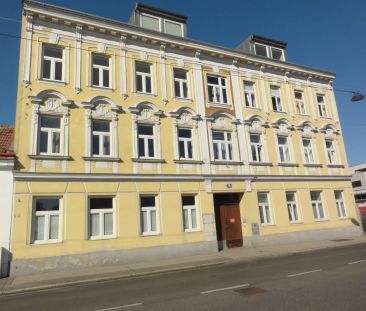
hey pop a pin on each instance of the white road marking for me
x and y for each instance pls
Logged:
(358, 261)
(224, 288)
(121, 307)
(302, 273)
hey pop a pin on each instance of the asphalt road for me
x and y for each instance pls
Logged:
(333, 279)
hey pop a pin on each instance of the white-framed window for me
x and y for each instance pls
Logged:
(190, 219)
(317, 205)
(50, 135)
(143, 78)
(145, 137)
(283, 149)
(46, 220)
(155, 23)
(268, 51)
(341, 210)
(150, 22)
(101, 138)
(276, 53)
(173, 28)
(256, 147)
(185, 143)
(276, 98)
(249, 94)
(101, 71)
(261, 50)
(299, 102)
(308, 151)
(264, 209)
(217, 90)
(101, 218)
(321, 105)
(222, 145)
(53, 63)
(293, 213)
(329, 146)
(180, 83)
(148, 210)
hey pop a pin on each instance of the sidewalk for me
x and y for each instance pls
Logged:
(103, 273)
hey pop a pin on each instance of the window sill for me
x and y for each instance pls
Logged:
(188, 161)
(261, 163)
(138, 160)
(220, 105)
(325, 118)
(102, 159)
(303, 115)
(218, 162)
(321, 220)
(268, 225)
(252, 108)
(45, 242)
(335, 165)
(296, 222)
(146, 234)
(313, 165)
(55, 82)
(183, 100)
(191, 230)
(288, 164)
(101, 88)
(145, 94)
(343, 218)
(280, 112)
(48, 157)
(102, 238)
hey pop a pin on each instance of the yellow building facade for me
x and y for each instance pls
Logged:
(136, 142)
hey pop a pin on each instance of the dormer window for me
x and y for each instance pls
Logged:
(172, 28)
(156, 19)
(150, 22)
(261, 50)
(268, 51)
(264, 47)
(276, 53)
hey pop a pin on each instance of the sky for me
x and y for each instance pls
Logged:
(327, 34)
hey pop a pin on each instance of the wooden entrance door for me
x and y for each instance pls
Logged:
(231, 225)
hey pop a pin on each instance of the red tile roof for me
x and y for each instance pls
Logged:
(6, 139)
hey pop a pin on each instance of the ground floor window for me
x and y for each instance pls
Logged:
(340, 204)
(317, 205)
(46, 220)
(189, 213)
(293, 213)
(264, 210)
(148, 215)
(101, 218)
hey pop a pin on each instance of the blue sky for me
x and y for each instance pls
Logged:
(328, 34)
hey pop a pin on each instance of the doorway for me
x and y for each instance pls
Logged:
(228, 220)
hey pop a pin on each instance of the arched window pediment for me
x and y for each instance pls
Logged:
(185, 117)
(223, 121)
(282, 126)
(256, 124)
(307, 129)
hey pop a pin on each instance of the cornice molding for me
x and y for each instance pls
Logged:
(68, 17)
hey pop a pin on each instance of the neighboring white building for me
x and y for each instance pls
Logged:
(6, 195)
(359, 187)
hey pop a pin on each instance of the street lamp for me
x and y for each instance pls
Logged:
(356, 95)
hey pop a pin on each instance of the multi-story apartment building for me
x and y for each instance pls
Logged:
(359, 187)
(134, 141)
